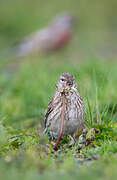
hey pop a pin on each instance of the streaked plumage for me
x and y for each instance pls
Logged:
(74, 108)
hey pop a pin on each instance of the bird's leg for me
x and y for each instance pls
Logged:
(73, 140)
(51, 136)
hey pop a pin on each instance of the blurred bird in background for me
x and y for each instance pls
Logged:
(55, 36)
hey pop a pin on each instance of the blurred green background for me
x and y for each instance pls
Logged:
(27, 84)
(96, 29)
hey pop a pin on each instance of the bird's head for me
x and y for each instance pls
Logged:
(66, 83)
(64, 20)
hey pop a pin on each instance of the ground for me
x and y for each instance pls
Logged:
(24, 97)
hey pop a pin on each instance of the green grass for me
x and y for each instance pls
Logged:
(25, 93)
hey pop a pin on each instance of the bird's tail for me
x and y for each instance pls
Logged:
(16, 51)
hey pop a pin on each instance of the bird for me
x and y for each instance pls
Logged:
(55, 36)
(73, 109)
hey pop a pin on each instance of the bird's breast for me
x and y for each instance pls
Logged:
(73, 114)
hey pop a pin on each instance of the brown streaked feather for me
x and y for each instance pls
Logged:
(74, 108)
(48, 110)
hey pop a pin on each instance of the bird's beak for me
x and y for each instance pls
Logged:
(70, 82)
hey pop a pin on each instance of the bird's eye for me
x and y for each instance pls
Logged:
(62, 80)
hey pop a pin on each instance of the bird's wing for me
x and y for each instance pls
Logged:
(36, 41)
(48, 111)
